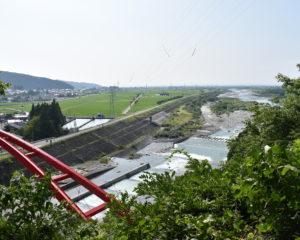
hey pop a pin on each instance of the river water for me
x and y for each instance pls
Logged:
(214, 149)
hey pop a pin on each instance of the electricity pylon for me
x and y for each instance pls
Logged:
(112, 91)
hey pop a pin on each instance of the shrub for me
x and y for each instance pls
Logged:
(27, 212)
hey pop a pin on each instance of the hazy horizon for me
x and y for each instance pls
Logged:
(132, 43)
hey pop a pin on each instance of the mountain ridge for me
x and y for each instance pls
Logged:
(28, 82)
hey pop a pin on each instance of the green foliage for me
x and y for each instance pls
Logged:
(196, 205)
(270, 124)
(271, 92)
(28, 213)
(184, 121)
(3, 86)
(268, 186)
(46, 120)
(228, 105)
(121, 147)
(257, 200)
(105, 159)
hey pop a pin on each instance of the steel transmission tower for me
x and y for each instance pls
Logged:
(112, 90)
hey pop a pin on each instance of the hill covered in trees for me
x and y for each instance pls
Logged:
(80, 85)
(28, 82)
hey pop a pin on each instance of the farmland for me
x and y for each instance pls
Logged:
(151, 97)
(92, 105)
(9, 107)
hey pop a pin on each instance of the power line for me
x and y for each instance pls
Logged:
(208, 39)
(198, 22)
(186, 10)
(166, 52)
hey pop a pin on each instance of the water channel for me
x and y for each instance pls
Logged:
(156, 154)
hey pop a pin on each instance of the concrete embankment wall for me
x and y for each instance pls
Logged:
(89, 146)
(103, 141)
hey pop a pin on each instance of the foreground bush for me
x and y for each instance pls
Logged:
(260, 200)
(28, 213)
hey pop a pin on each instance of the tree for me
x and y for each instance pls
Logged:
(57, 117)
(3, 86)
(32, 129)
(46, 120)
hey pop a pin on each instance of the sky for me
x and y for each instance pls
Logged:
(151, 42)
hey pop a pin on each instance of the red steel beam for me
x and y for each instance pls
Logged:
(60, 177)
(7, 141)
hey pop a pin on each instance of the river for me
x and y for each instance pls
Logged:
(213, 148)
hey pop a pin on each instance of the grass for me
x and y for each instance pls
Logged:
(182, 122)
(151, 97)
(173, 92)
(8, 107)
(180, 117)
(94, 104)
(146, 102)
(178, 124)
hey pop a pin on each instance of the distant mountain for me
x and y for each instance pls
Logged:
(27, 82)
(80, 85)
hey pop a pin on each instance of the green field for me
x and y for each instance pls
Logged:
(92, 105)
(146, 102)
(9, 107)
(151, 97)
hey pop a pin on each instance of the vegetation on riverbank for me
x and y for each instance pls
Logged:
(228, 105)
(187, 118)
(180, 123)
(270, 92)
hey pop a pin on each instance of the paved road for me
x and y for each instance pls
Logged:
(48, 141)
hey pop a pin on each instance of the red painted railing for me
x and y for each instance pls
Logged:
(24, 151)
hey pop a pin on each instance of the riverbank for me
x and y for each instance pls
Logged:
(224, 122)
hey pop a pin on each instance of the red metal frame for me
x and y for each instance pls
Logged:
(12, 144)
